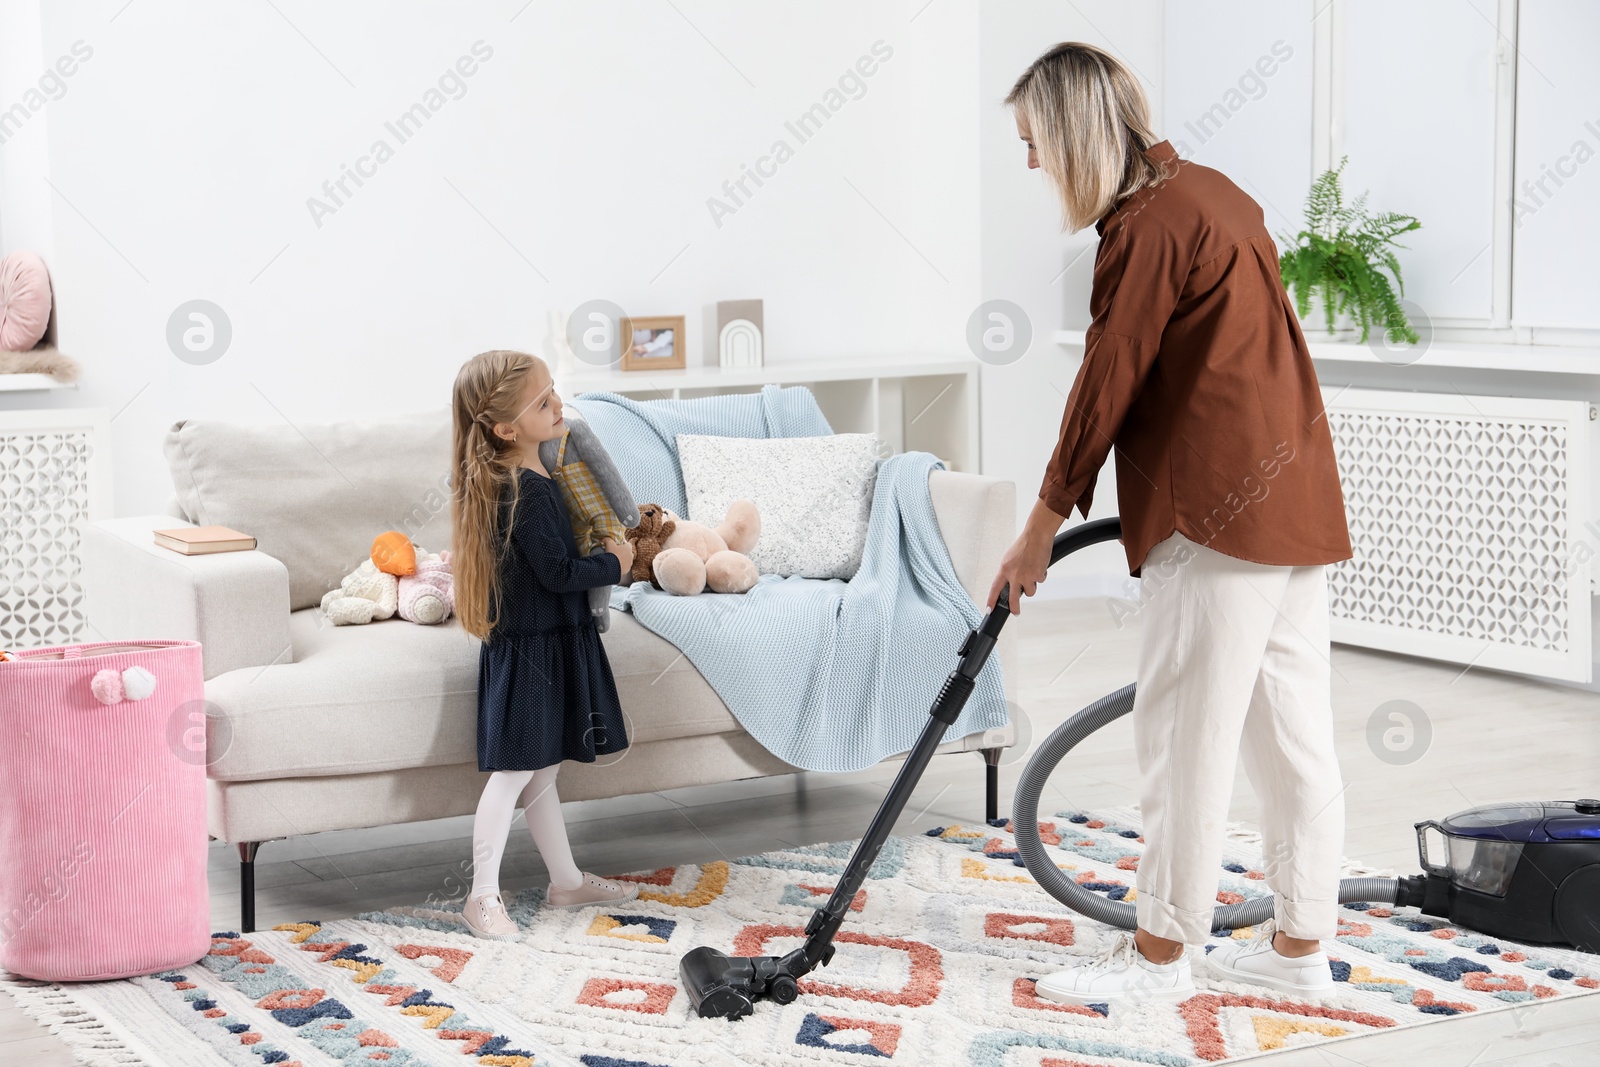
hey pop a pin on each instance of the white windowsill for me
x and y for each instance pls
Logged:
(1474, 355)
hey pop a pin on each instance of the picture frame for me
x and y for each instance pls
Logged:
(658, 342)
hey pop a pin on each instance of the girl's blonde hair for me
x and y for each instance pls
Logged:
(488, 389)
(1090, 125)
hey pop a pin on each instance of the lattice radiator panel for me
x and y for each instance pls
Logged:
(1467, 518)
(51, 481)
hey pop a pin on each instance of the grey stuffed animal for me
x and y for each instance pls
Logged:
(599, 503)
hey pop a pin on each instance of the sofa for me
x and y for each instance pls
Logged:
(313, 727)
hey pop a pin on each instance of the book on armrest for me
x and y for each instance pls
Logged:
(197, 540)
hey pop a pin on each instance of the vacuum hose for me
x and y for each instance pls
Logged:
(1113, 706)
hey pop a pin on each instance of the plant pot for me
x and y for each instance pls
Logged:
(1314, 324)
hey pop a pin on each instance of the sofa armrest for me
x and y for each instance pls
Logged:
(236, 604)
(978, 519)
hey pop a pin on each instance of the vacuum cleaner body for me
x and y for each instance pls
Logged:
(1527, 871)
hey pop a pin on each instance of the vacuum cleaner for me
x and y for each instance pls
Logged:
(1528, 871)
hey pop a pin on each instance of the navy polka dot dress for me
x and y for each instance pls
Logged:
(545, 690)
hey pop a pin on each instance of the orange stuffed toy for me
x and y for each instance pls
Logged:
(393, 553)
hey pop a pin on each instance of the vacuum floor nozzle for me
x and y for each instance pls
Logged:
(726, 987)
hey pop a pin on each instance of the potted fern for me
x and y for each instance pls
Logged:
(1341, 257)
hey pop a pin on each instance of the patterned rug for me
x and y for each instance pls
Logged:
(936, 965)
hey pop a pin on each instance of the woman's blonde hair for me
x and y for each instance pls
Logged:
(1090, 125)
(488, 389)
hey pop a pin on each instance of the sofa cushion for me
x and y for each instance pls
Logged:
(391, 694)
(314, 495)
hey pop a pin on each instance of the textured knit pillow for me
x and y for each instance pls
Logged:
(24, 301)
(814, 495)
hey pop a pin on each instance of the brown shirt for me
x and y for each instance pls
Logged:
(1195, 367)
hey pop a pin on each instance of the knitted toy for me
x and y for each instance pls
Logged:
(599, 504)
(684, 557)
(429, 595)
(397, 578)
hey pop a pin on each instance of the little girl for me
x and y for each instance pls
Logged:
(545, 689)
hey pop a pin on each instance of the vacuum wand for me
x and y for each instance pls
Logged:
(723, 986)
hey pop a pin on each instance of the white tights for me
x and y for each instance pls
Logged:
(535, 792)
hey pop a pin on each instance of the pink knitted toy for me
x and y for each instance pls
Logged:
(428, 596)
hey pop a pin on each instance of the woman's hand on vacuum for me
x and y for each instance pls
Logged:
(1022, 568)
(1027, 561)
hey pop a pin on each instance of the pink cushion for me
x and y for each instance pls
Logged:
(24, 301)
(103, 811)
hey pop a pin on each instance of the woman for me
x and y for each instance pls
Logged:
(1195, 369)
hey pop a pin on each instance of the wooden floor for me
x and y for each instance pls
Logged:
(1495, 737)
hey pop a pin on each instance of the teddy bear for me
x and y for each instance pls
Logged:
(684, 557)
(397, 578)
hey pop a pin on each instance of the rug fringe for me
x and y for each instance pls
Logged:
(92, 1043)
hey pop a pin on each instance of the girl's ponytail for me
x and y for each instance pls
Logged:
(486, 392)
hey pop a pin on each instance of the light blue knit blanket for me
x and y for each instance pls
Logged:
(828, 675)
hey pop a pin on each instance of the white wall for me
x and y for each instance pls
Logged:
(576, 163)
(25, 208)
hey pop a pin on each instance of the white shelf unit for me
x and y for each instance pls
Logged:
(913, 405)
(23, 383)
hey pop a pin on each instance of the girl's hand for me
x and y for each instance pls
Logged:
(623, 550)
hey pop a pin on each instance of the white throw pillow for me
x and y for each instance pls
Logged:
(814, 495)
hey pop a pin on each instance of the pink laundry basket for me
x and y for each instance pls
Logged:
(102, 810)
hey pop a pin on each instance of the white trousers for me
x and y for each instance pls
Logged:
(1234, 659)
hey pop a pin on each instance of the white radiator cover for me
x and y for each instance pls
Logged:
(55, 475)
(1469, 521)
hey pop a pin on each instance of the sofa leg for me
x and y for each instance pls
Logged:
(991, 759)
(247, 886)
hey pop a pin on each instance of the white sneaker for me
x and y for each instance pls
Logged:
(485, 915)
(1257, 961)
(1119, 974)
